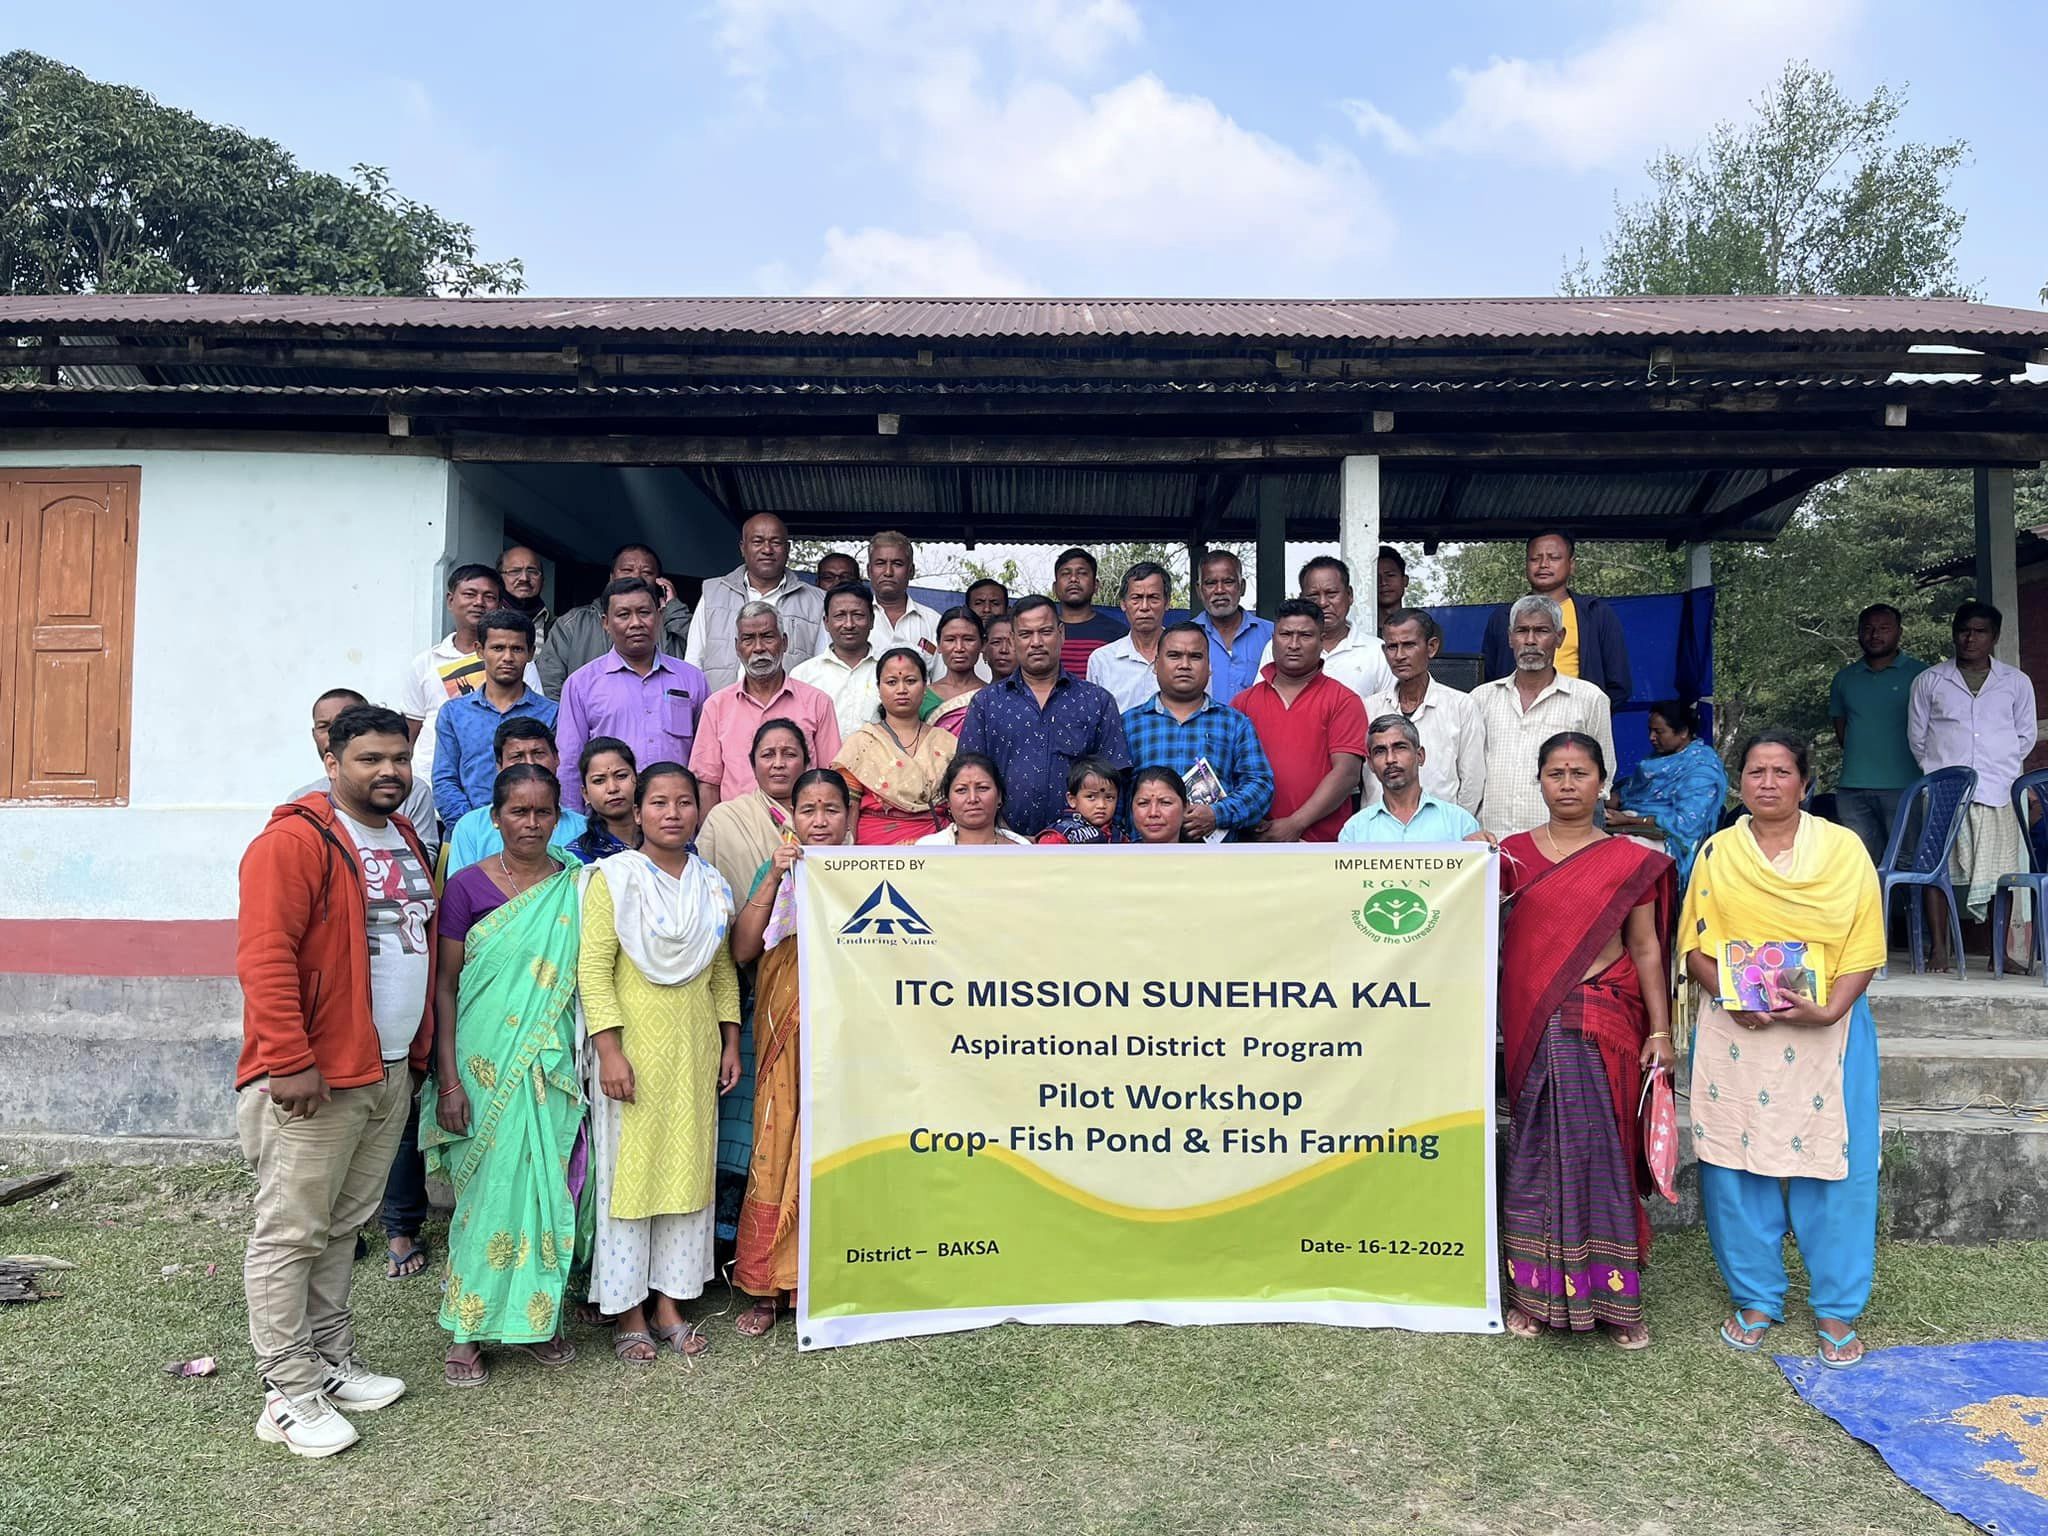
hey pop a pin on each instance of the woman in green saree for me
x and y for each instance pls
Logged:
(504, 1124)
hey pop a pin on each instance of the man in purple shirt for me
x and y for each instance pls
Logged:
(647, 700)
(1976, 712)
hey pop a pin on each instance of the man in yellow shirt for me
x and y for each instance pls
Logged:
(1593, 647)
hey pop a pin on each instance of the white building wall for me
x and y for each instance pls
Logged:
(262, 580)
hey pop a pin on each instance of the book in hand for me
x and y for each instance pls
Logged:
(1204, 788)
(1767, 977)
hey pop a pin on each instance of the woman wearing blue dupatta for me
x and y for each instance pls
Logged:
(504, 1120)
(1680, 789)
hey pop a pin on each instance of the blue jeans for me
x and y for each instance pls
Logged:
(405, 1190)
(1869, 813)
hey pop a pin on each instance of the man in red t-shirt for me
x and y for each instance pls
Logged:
(1313, 730)
(1073, 588)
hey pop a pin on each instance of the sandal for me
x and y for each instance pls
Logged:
(449, 1366)
(1630, 1336)
(686, 1339)
(403, 1266)
(1838, 1342)
(625, 1342)
(758, 1321)
(556, 1352)
(1521, 1324)
(1739, 1338)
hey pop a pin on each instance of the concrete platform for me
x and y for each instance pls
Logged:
(142, 1070)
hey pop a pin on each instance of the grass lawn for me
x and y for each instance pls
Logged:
(1011, 1430)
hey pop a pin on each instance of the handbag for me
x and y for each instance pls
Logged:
(1657, 1130)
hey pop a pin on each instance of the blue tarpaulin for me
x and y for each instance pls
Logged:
(1965, 1424)
(1670, 650)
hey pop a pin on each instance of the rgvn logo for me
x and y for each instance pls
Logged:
(885, 915)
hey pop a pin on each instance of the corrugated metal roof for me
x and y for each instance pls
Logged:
(1355, 320)
(127, 381)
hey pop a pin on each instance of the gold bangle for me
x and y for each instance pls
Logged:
(1661, 1034)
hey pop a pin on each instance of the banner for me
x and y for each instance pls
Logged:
(1185, 1085)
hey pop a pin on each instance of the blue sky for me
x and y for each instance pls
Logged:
(1064, 146)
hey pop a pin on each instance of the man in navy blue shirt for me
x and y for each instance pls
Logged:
(1036, 721)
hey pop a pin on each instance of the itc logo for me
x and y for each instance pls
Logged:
(885, 914)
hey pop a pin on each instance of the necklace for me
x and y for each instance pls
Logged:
(1557, 854)
(915, 736)
(513, 880)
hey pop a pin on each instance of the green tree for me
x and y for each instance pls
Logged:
(1813, 194)
(105, 190)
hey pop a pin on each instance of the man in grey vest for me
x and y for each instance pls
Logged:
(577, 637)
(762, 576)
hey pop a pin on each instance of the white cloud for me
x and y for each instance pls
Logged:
(885, 262)
(1137, 166)
(1662, 77)
(1372, 123)
(1020, 145)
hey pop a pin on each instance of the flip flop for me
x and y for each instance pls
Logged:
(552, 1362)
(1736, 1342)
(396, 1260)
(626, 1339)
(758, 1321)
(1838, 1342)
(681, 1336)
(483, 1373)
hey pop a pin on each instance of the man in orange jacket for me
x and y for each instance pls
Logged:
(335, 951)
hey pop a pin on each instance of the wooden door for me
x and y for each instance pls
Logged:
(71, 537)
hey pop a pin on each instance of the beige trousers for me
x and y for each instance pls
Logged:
(317, 1181)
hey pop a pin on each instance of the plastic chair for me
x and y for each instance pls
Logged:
(1937, 803)
(2027, 789)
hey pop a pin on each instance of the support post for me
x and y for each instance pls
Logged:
(1272, 546)
(1998, 575)
(1699, 565)
(1358, 534)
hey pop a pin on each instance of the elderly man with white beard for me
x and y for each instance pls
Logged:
(723, 756)
(1527, 708)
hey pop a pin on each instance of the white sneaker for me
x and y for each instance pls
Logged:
(353, 1387)
(305, 1426)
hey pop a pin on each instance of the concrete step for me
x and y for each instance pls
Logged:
(1946, 1175)
(1933, 1072)
(1907, 1006)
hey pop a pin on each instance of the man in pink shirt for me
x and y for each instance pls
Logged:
(723, 757)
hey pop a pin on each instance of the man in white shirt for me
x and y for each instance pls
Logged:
(1527, 708)
(763, 575)
(1350, 655)
(845, 670)
(454, 666)
(1974, 711)
(1125, 666)
(1453, 736)
(900, 619)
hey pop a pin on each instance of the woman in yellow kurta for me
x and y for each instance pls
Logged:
(661, 1007)
(1784, 1091)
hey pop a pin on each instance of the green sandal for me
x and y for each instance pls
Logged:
(1838, 1342)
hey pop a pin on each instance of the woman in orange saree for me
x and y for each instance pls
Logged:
(764, 929)
(1584, 1010)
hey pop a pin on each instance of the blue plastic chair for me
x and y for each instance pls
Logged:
(1937, 803)
(2028, 791)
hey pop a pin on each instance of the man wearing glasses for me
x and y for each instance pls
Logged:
(520, 574)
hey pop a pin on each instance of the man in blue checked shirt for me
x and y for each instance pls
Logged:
(1038, 720)
(1181, 726)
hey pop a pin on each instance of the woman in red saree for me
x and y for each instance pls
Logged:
(1584, 1010)
(764, 929)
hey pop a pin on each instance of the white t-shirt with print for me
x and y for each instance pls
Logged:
(400, 905)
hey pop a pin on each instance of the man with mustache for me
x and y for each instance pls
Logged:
(1527, 708)
(649, 699)
(334, 950)
(723, 757)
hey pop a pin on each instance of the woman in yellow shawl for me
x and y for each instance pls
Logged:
(893, 765)
(764, 929)
(1786, 1088)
